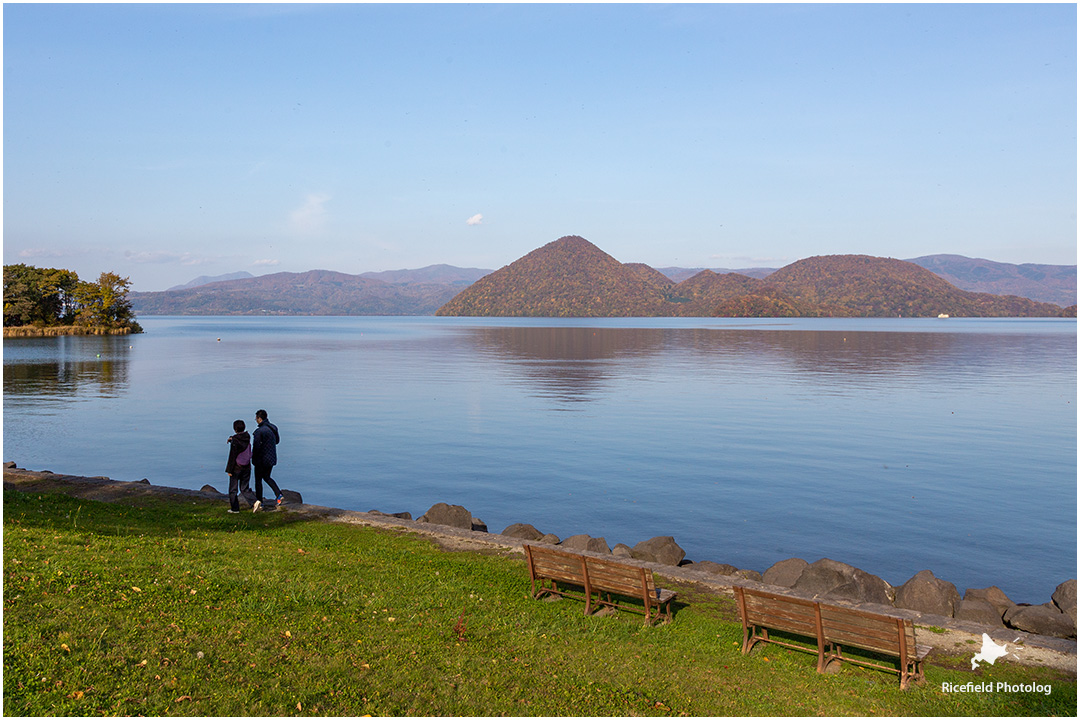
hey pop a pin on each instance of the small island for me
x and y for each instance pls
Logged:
(41, 302)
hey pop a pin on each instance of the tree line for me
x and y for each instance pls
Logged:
(46, 297)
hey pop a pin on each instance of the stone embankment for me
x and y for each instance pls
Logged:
(825, 579)
(955, 623)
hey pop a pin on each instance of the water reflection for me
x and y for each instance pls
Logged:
(39, 368)
(579, 364)
(569, 365)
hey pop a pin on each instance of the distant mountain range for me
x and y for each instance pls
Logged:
(423, 291)
(1046, 283)
(316, 292)
(206, 280)
(571, 277)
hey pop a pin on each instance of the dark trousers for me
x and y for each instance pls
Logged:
(263, 473)
(240, 483)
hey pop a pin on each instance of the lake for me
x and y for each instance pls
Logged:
(892, 445)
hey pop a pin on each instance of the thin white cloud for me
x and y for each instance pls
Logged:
(162, 258)
(266, 263)
(311, 216)
(31, 253)
(475, 219)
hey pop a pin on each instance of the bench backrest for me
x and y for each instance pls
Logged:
(557, 565)
(850, 627)
(778, 612)
(615, 577)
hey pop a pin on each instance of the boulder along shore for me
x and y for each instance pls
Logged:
(950, 622)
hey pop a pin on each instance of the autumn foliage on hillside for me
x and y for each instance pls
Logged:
(571, 277)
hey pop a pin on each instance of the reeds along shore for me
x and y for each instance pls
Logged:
(53, 331)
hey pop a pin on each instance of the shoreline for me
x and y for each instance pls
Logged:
(944, 633)
(31, 331)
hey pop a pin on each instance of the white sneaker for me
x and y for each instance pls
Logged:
(233, 511)
(256, 506)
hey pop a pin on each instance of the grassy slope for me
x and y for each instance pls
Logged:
(181, 609)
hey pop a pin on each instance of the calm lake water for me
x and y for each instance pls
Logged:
(892, 445)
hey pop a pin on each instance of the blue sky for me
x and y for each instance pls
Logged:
(165, 142)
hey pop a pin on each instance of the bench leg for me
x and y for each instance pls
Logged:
(914, 672)
(751, 637)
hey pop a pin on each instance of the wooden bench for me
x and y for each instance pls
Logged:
(761, 611)
(882, 634)
(832, 627)
(597, 581)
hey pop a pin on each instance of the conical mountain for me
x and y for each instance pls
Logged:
(569, 277)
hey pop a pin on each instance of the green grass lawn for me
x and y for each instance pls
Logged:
(178, 608)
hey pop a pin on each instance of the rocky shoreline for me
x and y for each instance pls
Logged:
(823, 579)
(956, 622)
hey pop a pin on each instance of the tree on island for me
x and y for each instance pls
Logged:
(49, 297)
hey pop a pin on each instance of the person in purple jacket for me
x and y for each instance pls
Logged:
(239, 465)
(264, 457)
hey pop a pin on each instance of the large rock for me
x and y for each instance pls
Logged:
(399, 515)
(978, 611)
(523, 531)
(833, 580)
(452, 515)
(928, 594)
(786, 572)
(550, 539)
(1041, 620)
(993, 595)
(749, 575)
(621, 550)
(715, 568)
(291, 497)
(585, 542)
(662, 549)
(1065, 598)
(208, 489)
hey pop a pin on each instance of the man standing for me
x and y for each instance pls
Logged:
(264, 457)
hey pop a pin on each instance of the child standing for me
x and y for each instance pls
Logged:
(239, 465)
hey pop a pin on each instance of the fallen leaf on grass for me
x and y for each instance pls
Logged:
(136, 589)
(288, 634)
(301, 551)
(298, 706)
(182, 698)
(77, 695)
(64, 647)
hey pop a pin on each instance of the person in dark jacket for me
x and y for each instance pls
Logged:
(239, 465)
(264, 457)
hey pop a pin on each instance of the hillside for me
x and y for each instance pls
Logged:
(569, 277)
(316, 292)
(865, 286)
(1046, 283)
